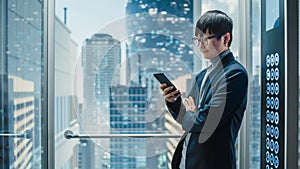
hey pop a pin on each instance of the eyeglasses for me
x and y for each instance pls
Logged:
(204, 39)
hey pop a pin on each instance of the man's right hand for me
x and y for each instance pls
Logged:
(169, 96)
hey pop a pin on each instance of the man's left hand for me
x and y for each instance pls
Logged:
(189, 104)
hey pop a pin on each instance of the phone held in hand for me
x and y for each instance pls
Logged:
(162, 78)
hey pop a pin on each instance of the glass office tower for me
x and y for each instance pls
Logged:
(127, 116)
(160, 32)
(159, 40)
(101, 57)
(21, 80)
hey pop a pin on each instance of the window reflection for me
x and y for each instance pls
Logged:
(21, 82)
(155, 37)
(254, 87)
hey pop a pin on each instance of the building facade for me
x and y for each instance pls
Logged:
(101, 57)
(21, 72)
(160, 32)
(66, 100)
(128, 115)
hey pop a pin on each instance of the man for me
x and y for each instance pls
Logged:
(213, 112)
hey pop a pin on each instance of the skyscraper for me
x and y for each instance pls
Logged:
(160, 31)
(86, 157)
(66, 104)
(21, 73)
(160, 35)
(21, 117)
(101, 57)
(127, 116)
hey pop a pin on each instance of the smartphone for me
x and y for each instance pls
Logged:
(162, 78)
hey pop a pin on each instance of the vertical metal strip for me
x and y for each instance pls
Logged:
(292, 83)
(245, 59)
(3, 72)
(48, 136)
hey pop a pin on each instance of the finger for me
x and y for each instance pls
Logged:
(167, 90)
(192, 103)
(176, 93)
(169, 96)
(191, 100)
(186, 102)
(172, 96)
(171, 99)
(163, 86)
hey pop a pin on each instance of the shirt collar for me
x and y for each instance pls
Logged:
(217, 59)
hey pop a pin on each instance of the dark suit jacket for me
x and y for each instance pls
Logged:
(224, 100)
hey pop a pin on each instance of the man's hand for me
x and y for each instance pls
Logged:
(169, 96)
(189, 104)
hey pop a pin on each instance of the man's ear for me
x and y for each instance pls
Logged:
(226, 38)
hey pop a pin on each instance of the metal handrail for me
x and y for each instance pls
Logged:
(69, 135)
(27, 135)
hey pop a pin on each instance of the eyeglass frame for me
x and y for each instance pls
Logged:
(204, 40)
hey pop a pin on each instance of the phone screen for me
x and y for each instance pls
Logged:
(163, 79)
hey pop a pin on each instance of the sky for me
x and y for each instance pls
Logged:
(86, 17)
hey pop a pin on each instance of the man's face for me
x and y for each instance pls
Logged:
(211, 46)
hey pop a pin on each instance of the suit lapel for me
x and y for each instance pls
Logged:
(212, 76)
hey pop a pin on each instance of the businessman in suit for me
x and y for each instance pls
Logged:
(212, 113)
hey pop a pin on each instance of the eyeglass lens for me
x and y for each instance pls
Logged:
(202, 40)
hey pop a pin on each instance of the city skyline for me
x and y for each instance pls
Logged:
(116, 28)
(31, 95)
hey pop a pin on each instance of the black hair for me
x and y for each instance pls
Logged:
(216, 22)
